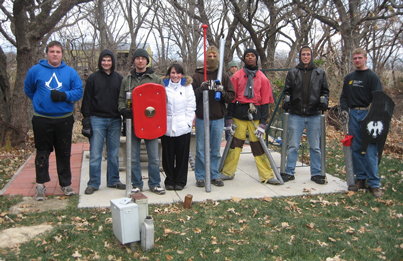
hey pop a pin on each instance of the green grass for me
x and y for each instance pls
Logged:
(351, 226)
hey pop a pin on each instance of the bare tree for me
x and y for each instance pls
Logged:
(351, 18)
(32, 23)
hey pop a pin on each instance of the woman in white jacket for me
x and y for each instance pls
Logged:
(181, 106)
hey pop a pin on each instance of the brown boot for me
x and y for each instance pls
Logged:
(376, 192)
(359, 184)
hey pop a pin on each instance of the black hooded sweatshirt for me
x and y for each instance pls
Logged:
(101, 91)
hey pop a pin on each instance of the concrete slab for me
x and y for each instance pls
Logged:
(245, 185)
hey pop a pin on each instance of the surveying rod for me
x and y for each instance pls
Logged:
(128, 145)
(323, 138)
(284, 144)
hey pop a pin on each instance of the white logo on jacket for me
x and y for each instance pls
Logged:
(59, 84)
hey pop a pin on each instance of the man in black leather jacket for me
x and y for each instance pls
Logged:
(304, 85)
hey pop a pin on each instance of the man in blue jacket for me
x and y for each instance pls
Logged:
(102, 121)
(53, 88)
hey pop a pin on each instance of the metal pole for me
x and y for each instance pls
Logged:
(323, 139)
(227, 146)
(268, 155)
(128, 147)
(206, 119)
(348, 157)
(284, 145)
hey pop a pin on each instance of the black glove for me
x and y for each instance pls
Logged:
(322, 106)
(58, 96)
(126, 113)
(286, 106)
(87, 128)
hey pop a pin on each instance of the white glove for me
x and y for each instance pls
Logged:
(259, 132)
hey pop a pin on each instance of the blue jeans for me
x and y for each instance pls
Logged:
(102, 128)
(365, 166)
(296, 127)
(154, 178)
(216, 132)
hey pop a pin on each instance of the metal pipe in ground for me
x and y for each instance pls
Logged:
(284, 141)
(206, 119)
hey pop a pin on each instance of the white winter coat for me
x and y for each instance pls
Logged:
(181, 106)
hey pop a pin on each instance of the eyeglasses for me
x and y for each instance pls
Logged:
(305, 54)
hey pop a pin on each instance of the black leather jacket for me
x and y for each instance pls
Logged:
(318, 87)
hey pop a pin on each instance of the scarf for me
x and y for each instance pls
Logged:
(249, 84)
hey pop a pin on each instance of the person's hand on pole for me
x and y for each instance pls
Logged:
(126, 113)
(261, 128)
(229, 129)
(343, 116)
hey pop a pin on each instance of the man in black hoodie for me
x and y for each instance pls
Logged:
(102, 120)
(305, 84)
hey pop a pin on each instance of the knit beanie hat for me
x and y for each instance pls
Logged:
(141, 52)
(250, 50)
(212, 64)
(232, 64)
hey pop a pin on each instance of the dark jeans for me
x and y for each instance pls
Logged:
(49, 134)
(175, 158)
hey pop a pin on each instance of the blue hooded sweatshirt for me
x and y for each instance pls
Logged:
(43, 78)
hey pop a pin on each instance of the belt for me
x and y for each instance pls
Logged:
(360, 108)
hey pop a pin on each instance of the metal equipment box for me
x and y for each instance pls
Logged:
(125, 220)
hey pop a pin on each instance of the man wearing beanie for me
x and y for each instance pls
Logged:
(217, 111)
(252, 95)
(232, 68)
(305, 84)
(139, 75)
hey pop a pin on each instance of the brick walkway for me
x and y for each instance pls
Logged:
(24, 183)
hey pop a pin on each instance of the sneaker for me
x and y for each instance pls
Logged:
(157, 190)
(319, 179)
(225, 177)
(217, 182)
(118, 185)
(68, 191)
(273, 181)
(200, 183)
(359, 184)
(40, 192)
(90, 190)
(136, 190)
(287, 177)
(376, 192)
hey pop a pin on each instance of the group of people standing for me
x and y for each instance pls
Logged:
(245, 97)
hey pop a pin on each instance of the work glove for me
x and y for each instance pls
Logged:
(286, 106)
(220, 88)
(87, 128)
(58, 96)
(229, 130)
(343, 116)
(261, 128)
(205, 86)
(322, 106)
(126, 113)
